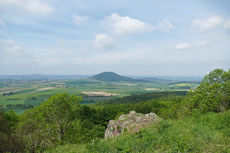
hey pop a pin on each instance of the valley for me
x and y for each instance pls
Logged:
(20, 93)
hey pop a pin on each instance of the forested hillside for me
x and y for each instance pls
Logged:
(194, 122)
(112, 77)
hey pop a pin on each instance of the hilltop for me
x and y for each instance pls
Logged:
(112, 77)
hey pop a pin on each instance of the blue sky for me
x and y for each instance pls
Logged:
(142, 37)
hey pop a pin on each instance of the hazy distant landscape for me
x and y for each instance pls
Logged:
(25, 91)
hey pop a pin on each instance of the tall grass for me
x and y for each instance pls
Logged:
(206, 133)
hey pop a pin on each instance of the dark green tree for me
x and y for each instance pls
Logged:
(9, 140)
(48, 124)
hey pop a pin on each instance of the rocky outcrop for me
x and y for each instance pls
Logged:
(131, 122)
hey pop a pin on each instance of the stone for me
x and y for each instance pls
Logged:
(131, 122)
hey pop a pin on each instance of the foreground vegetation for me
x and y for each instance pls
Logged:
(197, 122)
(197, 133)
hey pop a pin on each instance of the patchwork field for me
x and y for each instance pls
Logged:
(20, 95)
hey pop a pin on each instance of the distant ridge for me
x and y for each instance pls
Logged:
(112, 77)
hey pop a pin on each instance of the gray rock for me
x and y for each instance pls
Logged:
(131, 122)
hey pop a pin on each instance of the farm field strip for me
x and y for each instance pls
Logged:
(36, 92)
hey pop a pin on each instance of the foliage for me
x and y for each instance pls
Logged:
(61, 120)
(68, 148)
(144, 97)
(213, 94)
(9, 141)
(47, 124)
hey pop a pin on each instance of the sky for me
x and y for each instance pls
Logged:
(141, 37)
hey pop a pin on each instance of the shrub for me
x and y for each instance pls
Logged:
(213, 94)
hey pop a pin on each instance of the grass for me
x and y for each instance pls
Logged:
(206, 133)
(69, 148)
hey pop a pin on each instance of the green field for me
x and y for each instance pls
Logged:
(23, 94)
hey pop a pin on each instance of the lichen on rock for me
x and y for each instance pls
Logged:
(131, 122)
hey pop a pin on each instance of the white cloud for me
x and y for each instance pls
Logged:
(207, 24)
(183, 45)
(35, 7)
(227, 25)
(122, 25)
(80, 19)
(16, 48)
(103, 41)
(165, 25)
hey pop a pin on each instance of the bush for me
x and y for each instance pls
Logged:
(213, 94)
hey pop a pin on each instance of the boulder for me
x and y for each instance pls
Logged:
(131, 122)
